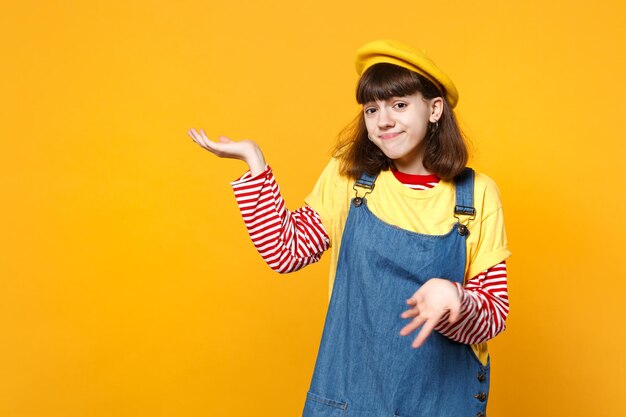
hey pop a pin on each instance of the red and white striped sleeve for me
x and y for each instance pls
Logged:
(484, 308)
(287, 241)
(484, 299)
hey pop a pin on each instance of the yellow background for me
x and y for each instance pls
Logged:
(128, 286)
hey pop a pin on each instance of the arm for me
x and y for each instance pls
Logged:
(484, 308)
(286, 240)
(469, 315)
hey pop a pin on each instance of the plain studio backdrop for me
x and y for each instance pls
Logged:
(128, 286)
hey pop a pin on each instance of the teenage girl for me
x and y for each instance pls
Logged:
(418, 243)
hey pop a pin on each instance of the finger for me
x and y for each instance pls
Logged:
(204, 141)
(194, 135)
(193, 132)
(417, 297)
(208, 142)
(191, 135)
(424, 333)
(410, 313)
(194, 138)
(414, 324)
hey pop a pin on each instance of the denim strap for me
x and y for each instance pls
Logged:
(366, 180)
(465, 193)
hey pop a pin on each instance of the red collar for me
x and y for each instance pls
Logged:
(413, 179)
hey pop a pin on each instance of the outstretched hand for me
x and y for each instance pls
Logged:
(245, 150)
(429, 304)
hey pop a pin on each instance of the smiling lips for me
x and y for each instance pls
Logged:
(387, 136)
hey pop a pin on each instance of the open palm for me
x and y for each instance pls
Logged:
(245, 150)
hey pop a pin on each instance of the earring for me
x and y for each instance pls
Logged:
(433, 126)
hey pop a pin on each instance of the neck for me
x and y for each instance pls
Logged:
(413, 162)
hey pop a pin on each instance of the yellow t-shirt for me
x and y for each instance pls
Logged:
(428, 211)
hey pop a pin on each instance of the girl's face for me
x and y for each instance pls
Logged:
(399, 125)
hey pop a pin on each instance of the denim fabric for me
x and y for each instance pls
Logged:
(364, 367)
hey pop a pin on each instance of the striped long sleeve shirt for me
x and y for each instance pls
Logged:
(290, 240)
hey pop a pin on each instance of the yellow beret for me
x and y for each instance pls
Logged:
(397, 53)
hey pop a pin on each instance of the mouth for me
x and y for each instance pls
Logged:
(390, 135)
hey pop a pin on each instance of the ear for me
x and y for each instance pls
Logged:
(436, 109)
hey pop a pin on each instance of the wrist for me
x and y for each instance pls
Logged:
(255, 161)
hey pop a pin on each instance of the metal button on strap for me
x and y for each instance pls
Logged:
(481, 376)
(480, 414)
(358, 201)
(481, 397)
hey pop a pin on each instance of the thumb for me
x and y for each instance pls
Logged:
(454, 315)
(224, 139)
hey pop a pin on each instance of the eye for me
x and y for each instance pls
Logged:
(400, 105)
(369, 110)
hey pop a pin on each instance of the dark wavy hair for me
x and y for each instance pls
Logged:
(445, 151)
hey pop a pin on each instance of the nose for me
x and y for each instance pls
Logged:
(385, 119)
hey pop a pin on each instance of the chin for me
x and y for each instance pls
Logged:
(393, 155)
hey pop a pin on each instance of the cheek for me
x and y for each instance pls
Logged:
(418, 124)
(370, 126)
